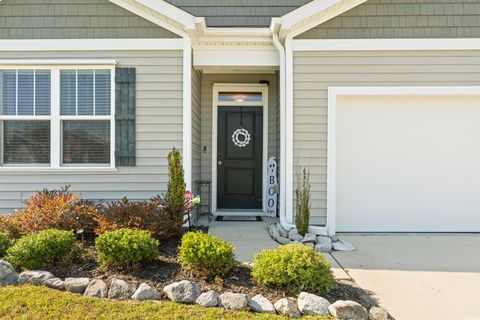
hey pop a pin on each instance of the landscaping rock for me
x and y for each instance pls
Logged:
(37, 277)
(348, 310)
(183, 292)
(283, 233)
(377, 313)
(324, 244)
(312, 305)
(145, 292)
(76, 285)
(310, 244)
(287, 308)
(310, 238)
(294, 235)
(55, 283)
(261, 304)
(233, 301)
(97, 288)
(273, 231)
(7, 273)
(341, 245)
(208, 299)
(282, 240)
(120, 290)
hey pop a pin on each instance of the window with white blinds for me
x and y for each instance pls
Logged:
(86, 142)
(25, 92)
(26, 142)
(56, 116)
(85, 92)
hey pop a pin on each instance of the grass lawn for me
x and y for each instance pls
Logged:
(31, 302)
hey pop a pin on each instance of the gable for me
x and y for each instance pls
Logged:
(73, 19)
(403, 19)
(238, 13)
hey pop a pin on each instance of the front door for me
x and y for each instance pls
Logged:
(239, 159)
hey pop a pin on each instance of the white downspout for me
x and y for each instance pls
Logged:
(283, 169)
(187, 110)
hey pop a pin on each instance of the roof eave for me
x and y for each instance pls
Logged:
(311, 15)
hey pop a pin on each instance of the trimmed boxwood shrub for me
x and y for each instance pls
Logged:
(5, 243)
(295, 268)
(205, 254)
(42, 249)
(126, 248)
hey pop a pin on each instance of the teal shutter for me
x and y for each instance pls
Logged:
(125, 91)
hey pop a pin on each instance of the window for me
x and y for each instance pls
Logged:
(86, 142)
(56, 116)
(85, 94)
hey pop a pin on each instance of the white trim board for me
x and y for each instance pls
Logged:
(90, 44)
(240, 87)
(236, 57)
(334, 92)
(187, 112)
(384, 44)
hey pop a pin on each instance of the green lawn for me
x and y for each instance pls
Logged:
(30, 302)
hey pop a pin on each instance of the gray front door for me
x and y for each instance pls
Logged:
(239, 159)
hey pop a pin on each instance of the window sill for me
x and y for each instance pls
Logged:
(56, 170)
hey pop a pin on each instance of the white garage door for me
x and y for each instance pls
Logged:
(408, 164)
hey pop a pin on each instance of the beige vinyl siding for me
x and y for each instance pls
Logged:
(73, 19)
(158, 129)
(403, 19)
(208, 80)
(196, 129)
(314, 72)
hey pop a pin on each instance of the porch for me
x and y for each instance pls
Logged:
(235, 132)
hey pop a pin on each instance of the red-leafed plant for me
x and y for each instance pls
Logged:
(55, 209)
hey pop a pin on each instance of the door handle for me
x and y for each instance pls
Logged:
(219, 162)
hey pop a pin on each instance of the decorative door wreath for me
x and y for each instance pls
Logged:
(241, 138)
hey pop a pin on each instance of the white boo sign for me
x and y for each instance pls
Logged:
(272, 187)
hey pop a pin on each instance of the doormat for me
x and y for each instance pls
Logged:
(238, 218)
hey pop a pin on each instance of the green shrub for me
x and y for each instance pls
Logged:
(302, 212)
(5, 243)
(205, 254)
(41, 250)
(295, 268)
(126, 248)
(175, 198)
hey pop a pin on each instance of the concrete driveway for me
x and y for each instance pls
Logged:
(428, 277)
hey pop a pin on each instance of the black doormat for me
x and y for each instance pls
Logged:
(238, 218)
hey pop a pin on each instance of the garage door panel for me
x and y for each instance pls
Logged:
(408, 164)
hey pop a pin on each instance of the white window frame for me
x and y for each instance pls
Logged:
(56, 132)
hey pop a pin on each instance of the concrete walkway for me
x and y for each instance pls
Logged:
(249, 238)
(428, 277)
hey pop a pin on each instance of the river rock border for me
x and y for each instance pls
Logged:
(320, 243)
(188, 292)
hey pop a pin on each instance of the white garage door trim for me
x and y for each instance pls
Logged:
(335, 92)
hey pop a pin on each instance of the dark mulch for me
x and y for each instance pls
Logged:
(166, 270)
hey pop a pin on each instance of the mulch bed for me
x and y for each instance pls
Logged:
(166, 270)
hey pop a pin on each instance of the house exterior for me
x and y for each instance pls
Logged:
(379, 99)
